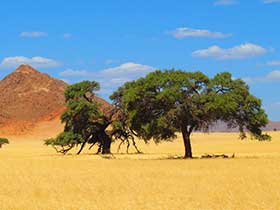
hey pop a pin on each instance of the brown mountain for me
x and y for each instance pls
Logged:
(27, 97)
(32, 101)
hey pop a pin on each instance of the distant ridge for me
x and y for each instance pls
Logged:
(28, 96)
(222, 127)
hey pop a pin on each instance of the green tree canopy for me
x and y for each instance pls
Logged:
(3, 141)
(84, 121)
(165, 102)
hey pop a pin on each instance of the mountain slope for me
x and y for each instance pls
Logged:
(27, 97)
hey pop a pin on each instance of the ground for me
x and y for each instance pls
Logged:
(34, 177)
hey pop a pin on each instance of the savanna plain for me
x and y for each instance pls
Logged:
(34, 177)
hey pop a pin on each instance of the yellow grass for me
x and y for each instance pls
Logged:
(33, 177)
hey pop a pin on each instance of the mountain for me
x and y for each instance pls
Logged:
(273, 125)
(27, 97)
(31, 100)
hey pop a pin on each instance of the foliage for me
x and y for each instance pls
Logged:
(165, 102)
(3, 141)
(79, 90)
(84, 123)
(65, 141)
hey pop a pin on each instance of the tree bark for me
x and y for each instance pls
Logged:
(106, 143)
(81, 149)
(187, 143)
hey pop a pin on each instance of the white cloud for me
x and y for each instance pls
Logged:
(231, 2)
(33, 34)
(184, 32)
(273, 63)
(128, 69)
(71, 72)
(224, 2)
(237, 52)
(67, 36)
(37, 62)
(273, 76)
(111, 61)
(271, 1)
(66, 81)
(275, 105)
(111, 78)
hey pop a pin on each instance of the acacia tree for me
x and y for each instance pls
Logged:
(165, 102)
(84, 120)
(3, 141)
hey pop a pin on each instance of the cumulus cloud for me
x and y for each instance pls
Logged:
(185, 32)
(273, 63)
(111, 61)
(71, 72)
(128, 69)
(275, 105)
(37, 62)
(271, 1)
(67, 36)
(273, 76)
(224, 2)
(33, 34)
(111, 78)
(237, 52)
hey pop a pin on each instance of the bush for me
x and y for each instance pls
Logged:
(3, 141)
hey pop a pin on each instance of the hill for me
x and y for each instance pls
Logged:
(27, 97)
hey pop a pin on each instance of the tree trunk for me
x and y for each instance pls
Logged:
(187, 143)
(82, 147)
(106, 143)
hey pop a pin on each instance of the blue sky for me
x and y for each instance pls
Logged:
(115, 41)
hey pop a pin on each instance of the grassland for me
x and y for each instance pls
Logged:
(33, 177)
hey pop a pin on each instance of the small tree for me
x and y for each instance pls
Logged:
(165, 102)
(84, 120)
(3, 141)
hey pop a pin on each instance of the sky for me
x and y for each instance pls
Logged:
(116, 41)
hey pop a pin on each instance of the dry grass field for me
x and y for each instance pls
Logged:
(34, 177)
